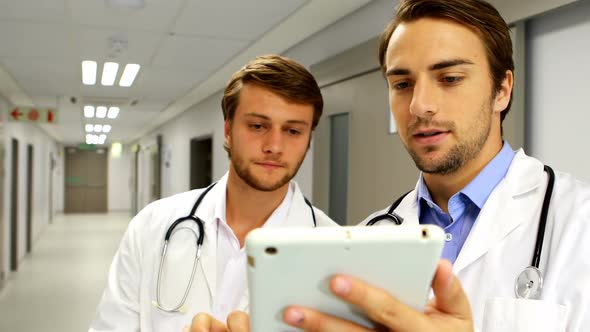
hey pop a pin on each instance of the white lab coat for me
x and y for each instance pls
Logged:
(127, 302)
(501, 243)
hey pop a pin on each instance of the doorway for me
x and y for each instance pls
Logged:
(86, 180)
(51, 173)
(30, 154)
(339, 167)
(201, 165)
(134, 179)
(2, 226)
(14, 206)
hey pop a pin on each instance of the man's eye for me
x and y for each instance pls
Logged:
(401, 85)
(452, 79)
(294, 132)
(256, 126)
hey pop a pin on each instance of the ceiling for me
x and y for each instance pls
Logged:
(187, 50)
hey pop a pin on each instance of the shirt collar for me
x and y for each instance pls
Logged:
(278, 216)
(480, 188)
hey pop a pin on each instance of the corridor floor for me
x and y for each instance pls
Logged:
(58, 285)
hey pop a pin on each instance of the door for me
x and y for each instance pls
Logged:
(2, 226)
(339, 167)
(14, 207)
(86, 181)
(134, 179)
(201, 165)
(30, 187)
(51, 173)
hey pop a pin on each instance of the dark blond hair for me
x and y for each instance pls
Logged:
(478, 15)
(280, 75)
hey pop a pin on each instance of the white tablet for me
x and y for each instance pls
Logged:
(292, 266)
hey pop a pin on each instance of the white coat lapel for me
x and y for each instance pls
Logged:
(408, 209)
(208, 260)
(299, 212)
(503, 211)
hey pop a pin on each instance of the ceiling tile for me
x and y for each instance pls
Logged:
(98, 45)
(196, 54)
(157, 15)
(35, 39)
(166, 84)
(33, 10)
(244, 20)
(43, 76)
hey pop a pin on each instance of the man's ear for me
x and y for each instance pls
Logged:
(502, 98)
(227, 133)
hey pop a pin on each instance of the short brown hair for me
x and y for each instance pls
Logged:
(280, 75)
(479, 15)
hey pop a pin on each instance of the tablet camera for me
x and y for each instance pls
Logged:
(271, 250)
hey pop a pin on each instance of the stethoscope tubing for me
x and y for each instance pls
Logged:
(534, 268)
(200, 237)
(543, 219)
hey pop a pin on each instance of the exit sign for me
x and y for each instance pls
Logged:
(33, 114)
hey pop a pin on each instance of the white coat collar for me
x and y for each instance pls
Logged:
(504, 209)
(501, 214)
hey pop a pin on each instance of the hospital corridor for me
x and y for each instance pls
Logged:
(114, 114)
(58, 286)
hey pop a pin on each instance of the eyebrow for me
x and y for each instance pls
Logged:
(436, 66)
(264, 117)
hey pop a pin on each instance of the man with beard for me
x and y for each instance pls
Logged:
(270, 108)
(449, 71)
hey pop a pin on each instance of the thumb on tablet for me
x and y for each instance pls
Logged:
(449, 295)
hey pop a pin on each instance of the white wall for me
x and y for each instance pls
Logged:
(204, 119)
(558, 82)
(43, 148)
(59, 189)
(119, 181)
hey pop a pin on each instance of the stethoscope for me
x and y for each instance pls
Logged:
(529, 282)
(200, 236)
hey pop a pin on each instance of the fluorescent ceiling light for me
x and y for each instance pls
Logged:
(101, 112)
(89, 72)
(116, 149)
(88, 111)
(129, 74)
(113, 112)
(102, 138)
(97, 128)
(109, 73)
(89, 128)
(106, 128)
(91, 139)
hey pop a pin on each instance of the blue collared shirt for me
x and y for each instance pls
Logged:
(464, 206)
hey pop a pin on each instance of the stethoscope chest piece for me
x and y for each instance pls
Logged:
(529, 283)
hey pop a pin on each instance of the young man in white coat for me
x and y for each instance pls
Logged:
(449, 70)
(270, 108)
